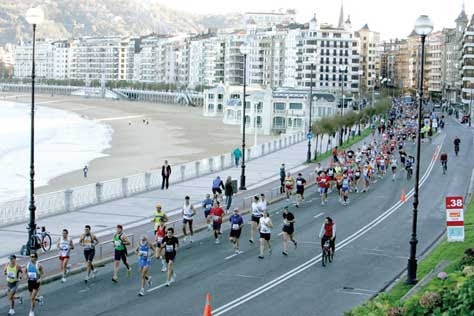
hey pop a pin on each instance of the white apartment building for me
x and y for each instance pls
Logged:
(468, 66)
(333, 53)
(7, 54)
(433, 61)
(44, 60)
(206, 60)
(234, 60)
(370, 53)
(281, 110)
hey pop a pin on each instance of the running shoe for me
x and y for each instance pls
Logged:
(217, 241)
(115, 280)
(149, 282)
(20, 299)
(284, 253)
(11, 312)
(295, 243)
(129, 272)
(173, 278)
(40, 300)
(260, 257)
(31, 313)
(163, 268)
(142, 292)
(63, 280)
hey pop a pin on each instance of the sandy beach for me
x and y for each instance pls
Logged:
(176, 133)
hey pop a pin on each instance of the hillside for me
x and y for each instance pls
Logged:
(74, 18)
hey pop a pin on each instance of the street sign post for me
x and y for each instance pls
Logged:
(455, 218)
(309, 136)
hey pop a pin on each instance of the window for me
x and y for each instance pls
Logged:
(297, 122)
(278, 122)
(296, 106)
(235, 96)
(290, 122)
(210, 107)
(279, 106)
(210, 96)
(219, 107)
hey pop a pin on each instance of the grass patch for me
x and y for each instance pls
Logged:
(454, 252)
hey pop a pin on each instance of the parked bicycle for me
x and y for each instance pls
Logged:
(42, 239)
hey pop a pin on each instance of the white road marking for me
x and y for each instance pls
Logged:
(280, 234)
(304, 266)
(232, 256)
(354, 293)
(156, 287)
(319, 215)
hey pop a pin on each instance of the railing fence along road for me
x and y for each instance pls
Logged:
(16, 211)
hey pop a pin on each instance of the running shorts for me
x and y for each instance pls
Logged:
(255, 219)
(170, 256)
(89, 254)
(235, 233)
(62, 258)
(120, 255)
(216, 190)
(288, 229)
(12, 286)
(265, 236)
(185, 221)
(33, 285)
(322, 190)
(345, 189)
(216, 226)
(144, 262)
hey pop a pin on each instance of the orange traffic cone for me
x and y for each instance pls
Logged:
(207, 308)
(403, 198)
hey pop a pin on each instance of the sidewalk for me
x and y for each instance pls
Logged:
(139, 209)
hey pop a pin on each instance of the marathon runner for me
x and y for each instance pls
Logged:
(300, 183)
(89, 241)
(13, 273)
(160, 234)
(262, 203)
(345, 184)
(265, 227)
(159, 216)
(144, 253)
(207, 205)
(236, 225)
(217, 212)
(323, 182)
(393, 164)
(288, 230)
(65, 245)
(170, 245)
(255, 219)
(35, 272)
(188, 214)
(289, 184)
(120, 242)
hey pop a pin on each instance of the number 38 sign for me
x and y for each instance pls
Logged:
(455, 218)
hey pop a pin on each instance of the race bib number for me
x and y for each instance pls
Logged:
(32, 275)
(117, 243)
(169, 248)
(11, 275)
(216, 218)
(299, 182)
(235, 226)
(143, 253)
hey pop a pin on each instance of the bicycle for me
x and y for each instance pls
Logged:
(42, 239)
(409, 172)
(445, 166)
(456, 150)
(327, 253)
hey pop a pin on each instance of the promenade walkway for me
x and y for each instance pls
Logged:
(138, 209)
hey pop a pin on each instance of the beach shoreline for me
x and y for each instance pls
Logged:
(144, 135)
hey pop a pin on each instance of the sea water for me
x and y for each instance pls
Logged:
(64, 142)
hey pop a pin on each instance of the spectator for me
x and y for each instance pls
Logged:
(282, 178)
(165, 175)
(237, 153)
(229, 191)
(85, 170)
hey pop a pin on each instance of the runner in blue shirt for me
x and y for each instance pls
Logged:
(207, 205)
(236, 224)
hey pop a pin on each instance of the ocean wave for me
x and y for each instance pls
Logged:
(64, 142)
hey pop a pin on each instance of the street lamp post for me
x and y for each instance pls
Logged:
(423, 27)
(34, 16)
(308, 158)
(342, 70)
(244, 49)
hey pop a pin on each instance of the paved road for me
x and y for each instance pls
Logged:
(368, 256)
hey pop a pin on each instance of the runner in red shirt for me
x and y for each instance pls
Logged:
(323, 182)
(216, 215)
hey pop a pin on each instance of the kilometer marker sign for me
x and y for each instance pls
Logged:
(455, 218)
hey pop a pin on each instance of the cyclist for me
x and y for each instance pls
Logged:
(457, 142)
(328, 232)
(89, 241)
(444, 161)
(65, 246)
(13, 272)
(144, 251)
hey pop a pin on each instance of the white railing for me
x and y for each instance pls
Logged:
(15, 211)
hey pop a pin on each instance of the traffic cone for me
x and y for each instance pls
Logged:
(207, 308)
(403, 198)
